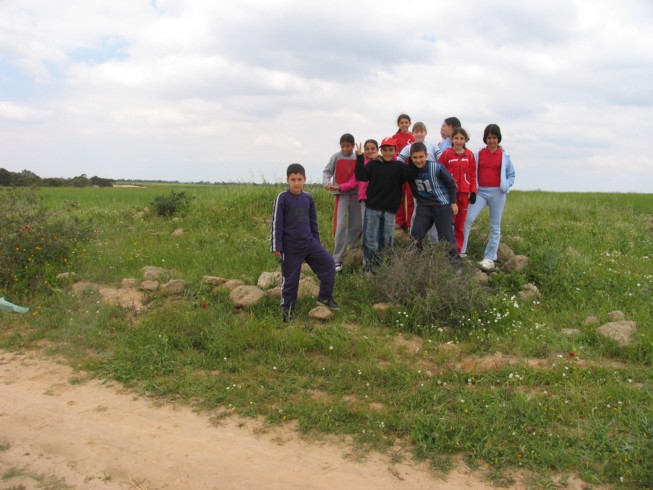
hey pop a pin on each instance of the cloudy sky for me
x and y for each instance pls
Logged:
(213, 90)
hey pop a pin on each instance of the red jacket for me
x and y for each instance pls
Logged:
(403, 139)
(462, 168)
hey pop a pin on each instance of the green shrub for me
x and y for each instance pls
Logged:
(435, 290)
(174, 203)
(35, 243)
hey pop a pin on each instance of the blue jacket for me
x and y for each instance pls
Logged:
(507, 171)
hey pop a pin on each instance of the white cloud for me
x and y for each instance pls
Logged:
(200, 90)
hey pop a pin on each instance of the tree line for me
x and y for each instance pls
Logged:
(27, 178)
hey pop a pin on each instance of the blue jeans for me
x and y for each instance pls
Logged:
(378, 233)
(495, 199)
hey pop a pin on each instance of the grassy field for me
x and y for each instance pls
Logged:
(504, 387)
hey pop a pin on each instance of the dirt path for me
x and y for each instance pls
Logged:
(59, 434)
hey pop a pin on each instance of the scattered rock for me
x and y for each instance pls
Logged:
(353, 258)
(214, 280)
(481, 277)
(516, 263)
(68, 276)
(382, 309)
(150, 285)
(571, 331)
(505, 253)
(616, 316)
(130, 299)
(268, 280)
(174, 287)
(275, 292)
(129, 283)
(81, 287)
(232, 284)
(178, 232)
(153, 273)
(529, 292)
(308, 287)
(321, 313)
(244, 296)
(620, 331)
(591, 321)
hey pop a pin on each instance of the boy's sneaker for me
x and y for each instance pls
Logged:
(338, 266)
(487, 265)
(462, 256)
(286, 316)
(329, 303)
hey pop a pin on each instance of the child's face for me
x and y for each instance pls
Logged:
(446, 130)
(404, 125)
(492, 142)
(388, 153)
(371, 151)
(419, 135)
(346, 148)
(296, 183)
(419, 159)
(458, 141)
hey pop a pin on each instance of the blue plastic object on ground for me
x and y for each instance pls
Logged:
(7, 306)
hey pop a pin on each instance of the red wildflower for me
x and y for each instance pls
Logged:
(571, 354)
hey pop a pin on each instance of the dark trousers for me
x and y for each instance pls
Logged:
(426, 216)
(319, 260)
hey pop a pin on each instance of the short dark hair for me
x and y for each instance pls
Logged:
(347, 138)
(418, 146)
(460, 131)
(403, 116)
(295, 168)
(374, 142)
(492, 129)
(454, 122)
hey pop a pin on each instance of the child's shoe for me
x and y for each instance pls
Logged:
(338, 266)
(286, 315)
(487, 265)
(329, 303)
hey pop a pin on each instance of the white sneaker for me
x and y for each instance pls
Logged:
(462, 256)
(338, 266)
(487, 265)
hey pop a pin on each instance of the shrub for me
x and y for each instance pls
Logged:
(35, 243)
(175, 202)
(431, 286)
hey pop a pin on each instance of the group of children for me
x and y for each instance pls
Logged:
(375, 193)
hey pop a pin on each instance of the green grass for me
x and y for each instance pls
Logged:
(550, 405)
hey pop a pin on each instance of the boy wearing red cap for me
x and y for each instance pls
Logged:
(385, 178)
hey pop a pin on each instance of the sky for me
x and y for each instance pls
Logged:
(206, 90)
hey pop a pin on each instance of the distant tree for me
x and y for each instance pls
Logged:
(53, 182)
(80, 181)
(5, 177)
(26, 178)
(100, 182)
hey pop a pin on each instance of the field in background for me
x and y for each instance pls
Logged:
(507, 389)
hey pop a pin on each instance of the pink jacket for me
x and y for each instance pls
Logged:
(352, 183)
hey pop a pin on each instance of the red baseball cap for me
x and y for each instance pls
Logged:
(389, 141)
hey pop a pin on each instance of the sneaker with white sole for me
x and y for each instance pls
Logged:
(338, 266)
(487, 265)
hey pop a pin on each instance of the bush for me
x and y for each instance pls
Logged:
(35, 243)
(175, 202)
(429, 284)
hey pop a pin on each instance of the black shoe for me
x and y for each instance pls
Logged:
(329, 303)
(286, 315)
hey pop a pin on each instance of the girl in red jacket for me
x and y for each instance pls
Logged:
(461, 164)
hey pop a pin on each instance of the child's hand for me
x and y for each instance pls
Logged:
(277, 253)
(454, 208)
(359, 148)
(335, 187)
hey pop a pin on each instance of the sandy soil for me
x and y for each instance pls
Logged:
(61, 430)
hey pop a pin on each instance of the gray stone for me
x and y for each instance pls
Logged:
(616, 316)
(529, 292)
(149, 285)
(321, 313)
(268, 280)
(382, 309)
(178, 232)
(174, 287)
(129, 283)
(516, 263)
(621, 332)
(308, 287)
(571, 331)
(481, 277)
(274, 292)
(591, 321)
(214, 280)
(244, 296)
(232, 284)
(153, 273)
(505, 253)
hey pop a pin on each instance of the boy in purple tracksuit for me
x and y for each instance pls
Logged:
(295, 238)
